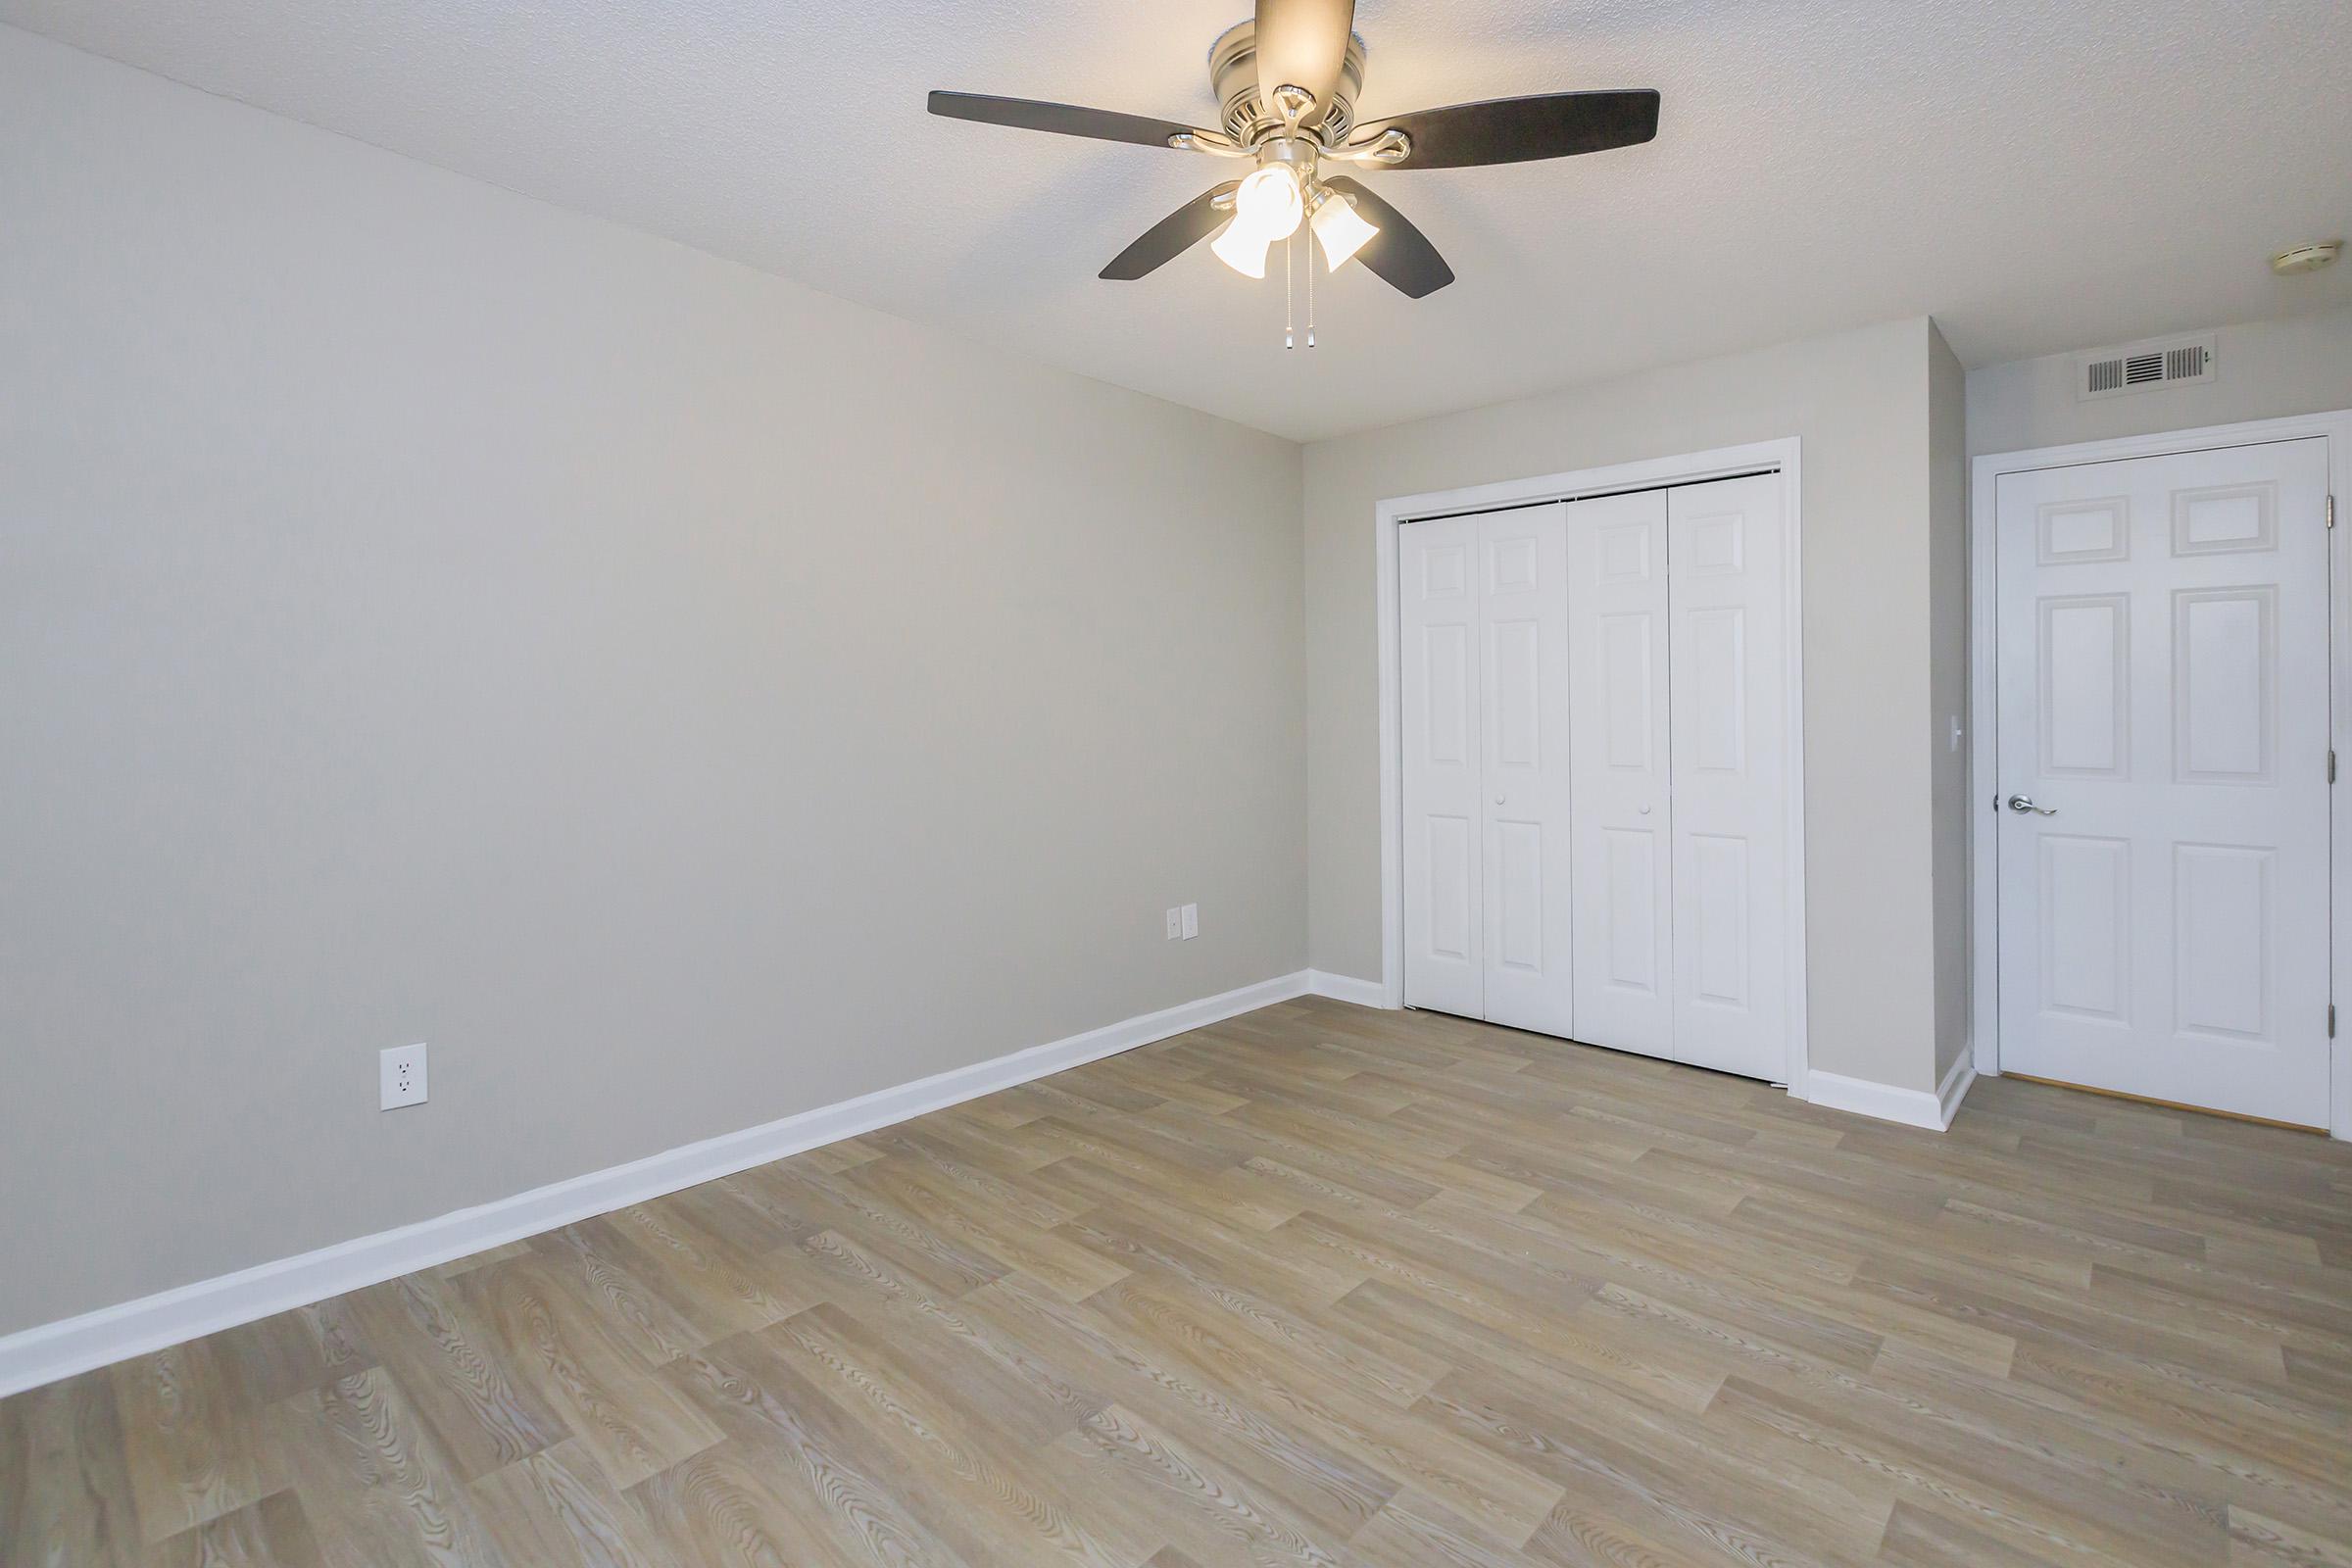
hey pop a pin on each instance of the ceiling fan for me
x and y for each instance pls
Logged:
(1288, 81)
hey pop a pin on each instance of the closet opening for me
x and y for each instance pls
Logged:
(1592, 759)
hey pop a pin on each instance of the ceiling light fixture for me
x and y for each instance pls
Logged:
(1286, 82)
(1338, 229)
(1240, 250)
(1265, 208)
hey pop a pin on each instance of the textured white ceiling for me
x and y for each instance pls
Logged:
(2039, 175)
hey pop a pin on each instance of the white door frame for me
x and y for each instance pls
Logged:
(1983, 754)
(1723, 463)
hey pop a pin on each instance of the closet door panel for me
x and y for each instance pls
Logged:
(1620, 765)
(1524, 772)
(1730, 775)
(1442, 847)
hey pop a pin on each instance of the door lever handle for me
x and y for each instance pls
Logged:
(2024, 803)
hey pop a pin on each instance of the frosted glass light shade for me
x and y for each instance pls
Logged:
(1266, 208)
(1270, 202)
(1242, 249)
(1342, 230)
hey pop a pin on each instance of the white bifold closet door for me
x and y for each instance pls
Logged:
(1677, 715)
(1596, 772)
(1727, 659)
(1622, 770)
(1483, 666)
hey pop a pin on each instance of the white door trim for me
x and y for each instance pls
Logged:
(1983, 759)
(1694, 467)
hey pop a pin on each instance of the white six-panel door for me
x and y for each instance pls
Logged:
(1482, 660)
(1623, 772)
(1730, 775)
(2163, 696)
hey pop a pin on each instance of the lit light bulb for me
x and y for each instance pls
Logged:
(1266, 208)
(1342, 230)
(1270, 200)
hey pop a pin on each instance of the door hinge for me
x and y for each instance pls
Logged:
(2332, 511)
(2331, 765)
(2331, 1020)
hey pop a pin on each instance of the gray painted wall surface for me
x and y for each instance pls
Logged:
(1948, 630)
(429, 614)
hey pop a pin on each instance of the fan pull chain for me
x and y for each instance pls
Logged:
(1290, 248)
(1311, 288)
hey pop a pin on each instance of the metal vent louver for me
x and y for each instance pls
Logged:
(2144, 366)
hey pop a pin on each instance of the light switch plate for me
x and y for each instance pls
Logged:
(1175, 925)
(1192, 921)
(402, 1077)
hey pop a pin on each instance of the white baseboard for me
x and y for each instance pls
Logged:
(1347, 987)
(1913, 1107)
(1958, 1080)
(42, 1354)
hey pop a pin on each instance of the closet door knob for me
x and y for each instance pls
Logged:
(1497, 800)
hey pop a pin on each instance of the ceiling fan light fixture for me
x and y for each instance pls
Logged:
(1270, 202)
(1266, 208)
(1341, 228)
(1243, 248)
(1286, 81)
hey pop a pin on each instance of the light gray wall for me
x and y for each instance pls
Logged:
(1948, 670)
(2264, 371)
(679, 698)
(1860, 403)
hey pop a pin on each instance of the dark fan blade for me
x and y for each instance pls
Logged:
(1399, 253)
(1513, 130)
(1301, 43)
(1182, 229)
(1062, 119)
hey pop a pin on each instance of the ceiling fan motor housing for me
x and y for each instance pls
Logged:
(1233, 74)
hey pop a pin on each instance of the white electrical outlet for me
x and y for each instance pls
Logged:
(1192, 921)
(402, 1077)
(1175, 925)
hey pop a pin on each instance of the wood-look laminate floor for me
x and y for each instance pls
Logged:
(1317, 1286)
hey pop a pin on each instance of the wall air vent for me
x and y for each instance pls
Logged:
(2143, 367)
